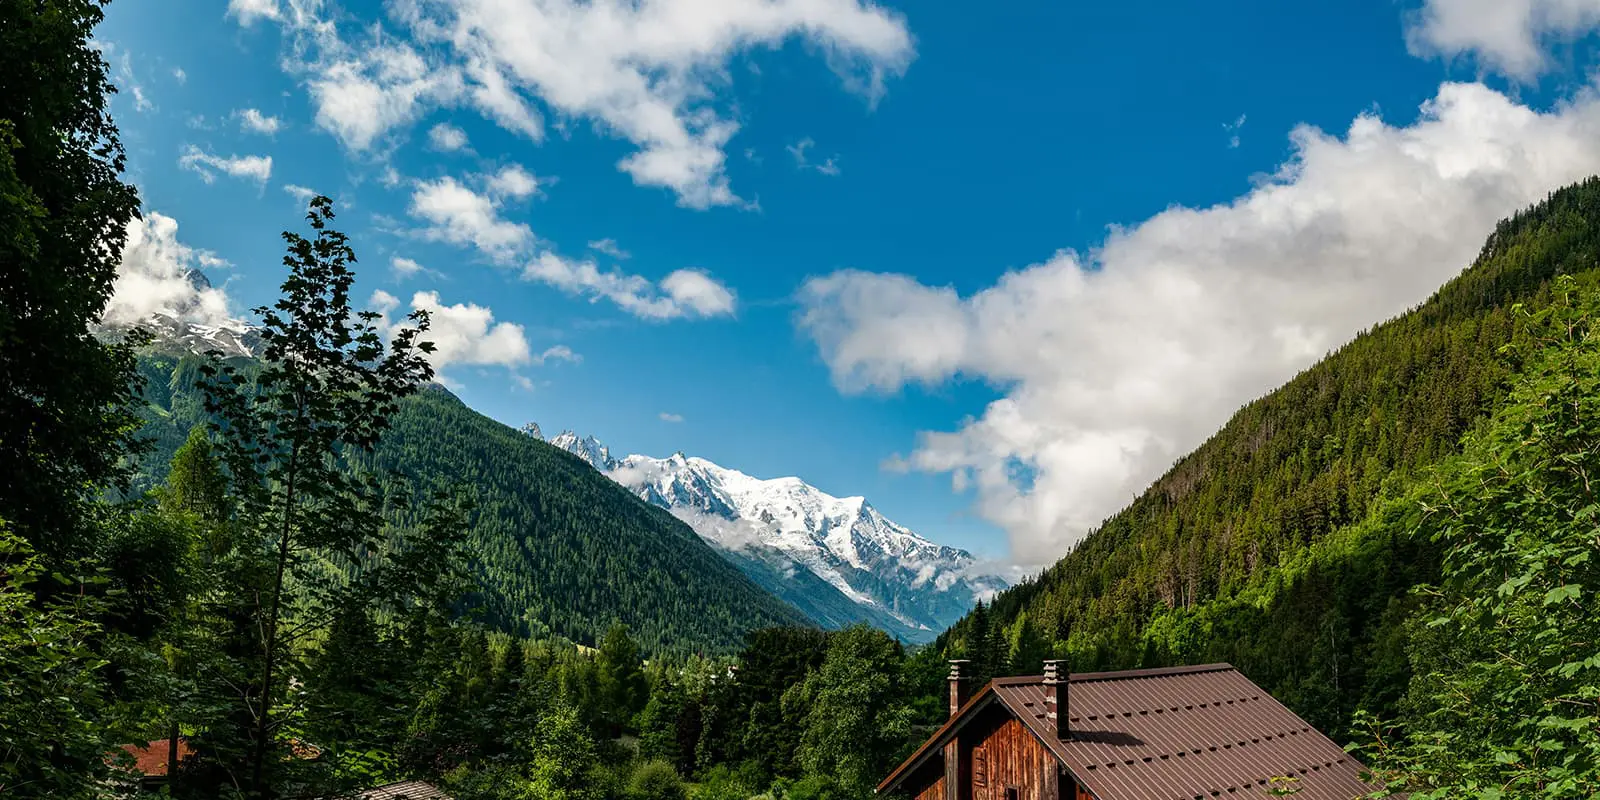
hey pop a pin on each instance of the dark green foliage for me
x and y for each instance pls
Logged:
(622, 688)
(855, 713)
(308, 534)
(655, 780)
(1505, 698)
(557, 549)
(563, 757)
(1232, 555)
(64, 420)
(560, 549)
(52, 674)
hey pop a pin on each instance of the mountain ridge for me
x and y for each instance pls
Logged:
(785, 532)
(1282, 544)
(556, 549)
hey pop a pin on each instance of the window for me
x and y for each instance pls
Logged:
(980, 766)
(1011, 793)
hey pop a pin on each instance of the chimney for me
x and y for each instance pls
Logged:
(958, 685)
(1056, 708)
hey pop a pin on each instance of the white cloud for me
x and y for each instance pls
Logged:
(211, 260)
(253, 121)
(513, 181)
(360, 96)
(669, 417)
(458, 215)
(248, 11)
(256, 168)
(609, 247)
(1506, 36)
(405, 267)
(649, 73)
(698, 293)
(122, 62)
(462, 334)
(447, 138)
(1233, 131)
(1114, 364)
(301, 194)
(683, 293)
(179, 75)
(156, 276)
(829, 166)
(558, 352)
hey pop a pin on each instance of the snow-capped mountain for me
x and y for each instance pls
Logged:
(187, 326)
(231, 338)
(838, 559)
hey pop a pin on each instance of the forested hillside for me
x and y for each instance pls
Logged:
(555, 548)
(1284, 543)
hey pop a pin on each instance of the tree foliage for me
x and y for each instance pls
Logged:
(64, 417)
(1505, 695)
(1282, 543)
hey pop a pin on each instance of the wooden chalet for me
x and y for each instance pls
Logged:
(1186, 733)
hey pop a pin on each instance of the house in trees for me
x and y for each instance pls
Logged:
(1186, 733)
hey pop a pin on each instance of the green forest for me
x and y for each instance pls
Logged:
(557, 549)
(323, 572)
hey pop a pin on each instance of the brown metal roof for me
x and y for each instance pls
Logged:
(404, 790)
(1187, 733)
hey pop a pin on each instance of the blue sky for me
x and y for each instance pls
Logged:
(993, 267)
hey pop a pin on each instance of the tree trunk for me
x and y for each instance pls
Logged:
(258, 768)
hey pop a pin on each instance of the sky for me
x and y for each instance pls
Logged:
(994, 267)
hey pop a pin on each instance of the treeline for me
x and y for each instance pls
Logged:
(1277, 545)
(555, 549)
(799, 713)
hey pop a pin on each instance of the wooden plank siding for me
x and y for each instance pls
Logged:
(1009, 757)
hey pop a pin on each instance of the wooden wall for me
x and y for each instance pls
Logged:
(997, 753)
(1009, 757)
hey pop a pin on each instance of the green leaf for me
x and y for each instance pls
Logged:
(1561, 594)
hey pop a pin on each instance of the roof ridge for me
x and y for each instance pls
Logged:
(1124, 674)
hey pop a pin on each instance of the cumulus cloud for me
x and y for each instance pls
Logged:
(649, 73)
(513, 181)
(405, 267)
(464, 333)
(158, 276)
(248, 11)
(206, 165)
(1114, 363)
(251, 120)
(447, 138)
(456, 214)
(683, 293)
(667, 416)
(362, 94)
(1506, 36)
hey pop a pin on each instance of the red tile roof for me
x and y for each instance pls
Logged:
(152, 759)
(1187, 733)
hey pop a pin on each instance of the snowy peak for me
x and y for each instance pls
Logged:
(232, 338)
(587, 448)
(894, 577)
